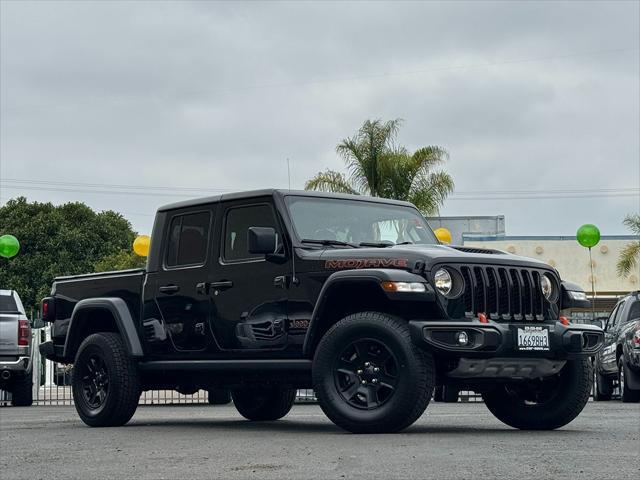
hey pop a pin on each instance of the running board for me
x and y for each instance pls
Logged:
(228, 365)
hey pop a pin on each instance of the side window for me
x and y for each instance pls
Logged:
(188, 239)
(634, 311)
(611, 321)
(617, 319)
(238, 221)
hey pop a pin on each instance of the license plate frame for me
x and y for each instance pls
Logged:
(532, 338)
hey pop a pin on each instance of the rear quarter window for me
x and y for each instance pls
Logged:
(8, 304)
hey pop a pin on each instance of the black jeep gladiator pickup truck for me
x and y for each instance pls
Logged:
(261, 293)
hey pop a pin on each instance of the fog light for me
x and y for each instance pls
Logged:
(463, 338)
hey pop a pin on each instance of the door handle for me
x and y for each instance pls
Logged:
(280, 281)
(222, 285)
(202, 288)
(169, 289)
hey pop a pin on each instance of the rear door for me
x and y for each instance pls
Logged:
(180, 285)
(10, 313)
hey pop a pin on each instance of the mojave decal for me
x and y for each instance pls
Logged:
(366, 263)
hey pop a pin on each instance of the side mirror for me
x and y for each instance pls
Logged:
(262, 240)
(573, 296)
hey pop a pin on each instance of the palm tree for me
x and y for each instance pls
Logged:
(378, 167)
(630, 254)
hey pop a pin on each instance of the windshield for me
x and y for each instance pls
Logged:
(356, 222)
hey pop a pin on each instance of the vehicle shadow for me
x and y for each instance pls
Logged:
(295, 426)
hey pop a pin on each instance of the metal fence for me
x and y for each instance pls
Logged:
(52, 385)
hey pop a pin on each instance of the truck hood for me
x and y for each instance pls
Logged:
(411, 256)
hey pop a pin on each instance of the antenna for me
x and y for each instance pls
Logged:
(294, 279)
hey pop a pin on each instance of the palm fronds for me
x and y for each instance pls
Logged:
(377, 166)
(330, 181)
(630, 254)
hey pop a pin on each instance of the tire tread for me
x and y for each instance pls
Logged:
(425, 371)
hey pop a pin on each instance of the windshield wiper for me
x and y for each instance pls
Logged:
(376, 244)
(337, 243)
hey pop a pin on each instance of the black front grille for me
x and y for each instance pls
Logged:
(503, 293)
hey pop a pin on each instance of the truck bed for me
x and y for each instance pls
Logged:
(69, 290)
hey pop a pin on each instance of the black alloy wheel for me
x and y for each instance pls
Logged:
(366, 374)
(95, 381)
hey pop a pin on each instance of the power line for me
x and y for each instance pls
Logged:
(426, 70)
(106, 185)
(561, 191)
(461, 196)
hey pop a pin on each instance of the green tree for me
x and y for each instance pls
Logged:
(630, 254)
(121, 260)
(68, 239)
(377, 166)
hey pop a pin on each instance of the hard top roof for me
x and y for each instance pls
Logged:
(269, 192)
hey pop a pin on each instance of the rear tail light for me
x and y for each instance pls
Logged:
(24, 333)
(48, 309)
(636, 337)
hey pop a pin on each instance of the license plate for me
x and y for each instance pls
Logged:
(533, 338)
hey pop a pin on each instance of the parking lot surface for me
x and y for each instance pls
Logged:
(450, 441)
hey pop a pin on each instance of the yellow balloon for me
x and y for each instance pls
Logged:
(141, 245)
(443, 235)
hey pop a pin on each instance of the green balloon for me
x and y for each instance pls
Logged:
(588, 235)
(9, 246)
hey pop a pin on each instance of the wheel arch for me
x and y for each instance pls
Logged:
(106, 314)
(336, 299)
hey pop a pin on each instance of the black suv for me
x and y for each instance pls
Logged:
(618, 363)
(261, 293)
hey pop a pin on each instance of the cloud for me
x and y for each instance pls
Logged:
(524, 95)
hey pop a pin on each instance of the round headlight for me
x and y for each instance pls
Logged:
(547, 287)
(443, 282)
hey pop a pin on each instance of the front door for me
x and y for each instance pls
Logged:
(250, 291)
(180, 285)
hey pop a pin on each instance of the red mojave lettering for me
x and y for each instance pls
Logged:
(366, 263)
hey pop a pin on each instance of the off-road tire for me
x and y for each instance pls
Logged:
(626, 394)
(122, 398)
(263, 404)
(219, 396)
(415, 374)
(571, 394)
(602, 387)
(22, 392)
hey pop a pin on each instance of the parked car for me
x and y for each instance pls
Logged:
(618, 363)
(16, 355)
(265, 292)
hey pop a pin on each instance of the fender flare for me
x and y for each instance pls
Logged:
(366, 275)
(123, 318)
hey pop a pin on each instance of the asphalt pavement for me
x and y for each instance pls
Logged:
(200, 442)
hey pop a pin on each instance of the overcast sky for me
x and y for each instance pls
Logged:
(529, 98)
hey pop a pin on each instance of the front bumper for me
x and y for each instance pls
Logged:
(493, 339)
